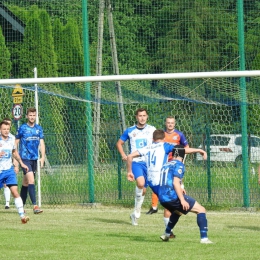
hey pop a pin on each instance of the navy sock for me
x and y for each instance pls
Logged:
(174, 218)
(31, 189)
(203, 225)
(23, 194)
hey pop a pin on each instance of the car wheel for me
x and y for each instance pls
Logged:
(238, 161)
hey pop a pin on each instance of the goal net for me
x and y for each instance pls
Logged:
(83, 118)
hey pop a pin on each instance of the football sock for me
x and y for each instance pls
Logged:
(139, 199)
(23, 194)
(154, 201)
(7, 194)
(19, 205)
(174, 218)
(203, 225)
(165, 220)
(31, 189)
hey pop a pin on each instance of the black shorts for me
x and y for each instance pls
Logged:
(175, 205)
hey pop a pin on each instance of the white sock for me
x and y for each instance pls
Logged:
(139, 199)
(19, 205)
(166, 220)
(7, 194)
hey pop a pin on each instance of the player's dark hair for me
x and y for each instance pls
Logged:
(178, 151)
(31, 110)
(158, 134)
(7, 119)
(4, 123)
(140, 110)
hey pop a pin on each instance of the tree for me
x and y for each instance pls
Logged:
(201, 37)
(49, 55)
(5, 62)
(31, 54)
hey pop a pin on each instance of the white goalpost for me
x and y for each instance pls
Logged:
(205, 103)
(163, 76)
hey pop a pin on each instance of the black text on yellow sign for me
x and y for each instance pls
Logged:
(17, 100)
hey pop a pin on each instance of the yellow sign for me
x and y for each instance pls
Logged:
(18, 91)
(18, 100)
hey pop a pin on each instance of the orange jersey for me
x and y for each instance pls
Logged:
(176, 138)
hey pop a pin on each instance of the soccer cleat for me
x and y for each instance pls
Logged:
(7, 207)
(152, 211)
(133, 219)
(165, 237)
(206, 241)
(25, 219)
(172, 235)
(37, 210)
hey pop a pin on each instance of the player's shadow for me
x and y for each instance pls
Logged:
(255, 228)
(111, 221)
(144, 239)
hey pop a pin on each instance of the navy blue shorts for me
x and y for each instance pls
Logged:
(175, 205)
(31, 164)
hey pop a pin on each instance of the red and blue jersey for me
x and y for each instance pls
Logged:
(176, 138)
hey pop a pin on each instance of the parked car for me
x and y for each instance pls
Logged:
(228, 148)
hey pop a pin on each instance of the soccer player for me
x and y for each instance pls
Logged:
(156, 156)
(172, 198)
(29, 137)
(139, 135)
(7, 192)
(7, 173)
(175, 137)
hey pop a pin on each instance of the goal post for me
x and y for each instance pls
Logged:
(203, 103)
(162, 76)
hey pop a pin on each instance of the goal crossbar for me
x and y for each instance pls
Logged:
(188, 75)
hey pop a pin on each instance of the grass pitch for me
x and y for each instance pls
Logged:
(106, 233)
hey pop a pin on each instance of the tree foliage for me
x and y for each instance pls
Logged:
(5, 62)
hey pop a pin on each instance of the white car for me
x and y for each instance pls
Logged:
(228, 148)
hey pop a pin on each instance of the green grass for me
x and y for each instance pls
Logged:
(106, 233)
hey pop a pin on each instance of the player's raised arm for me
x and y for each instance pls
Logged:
(195, 150)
